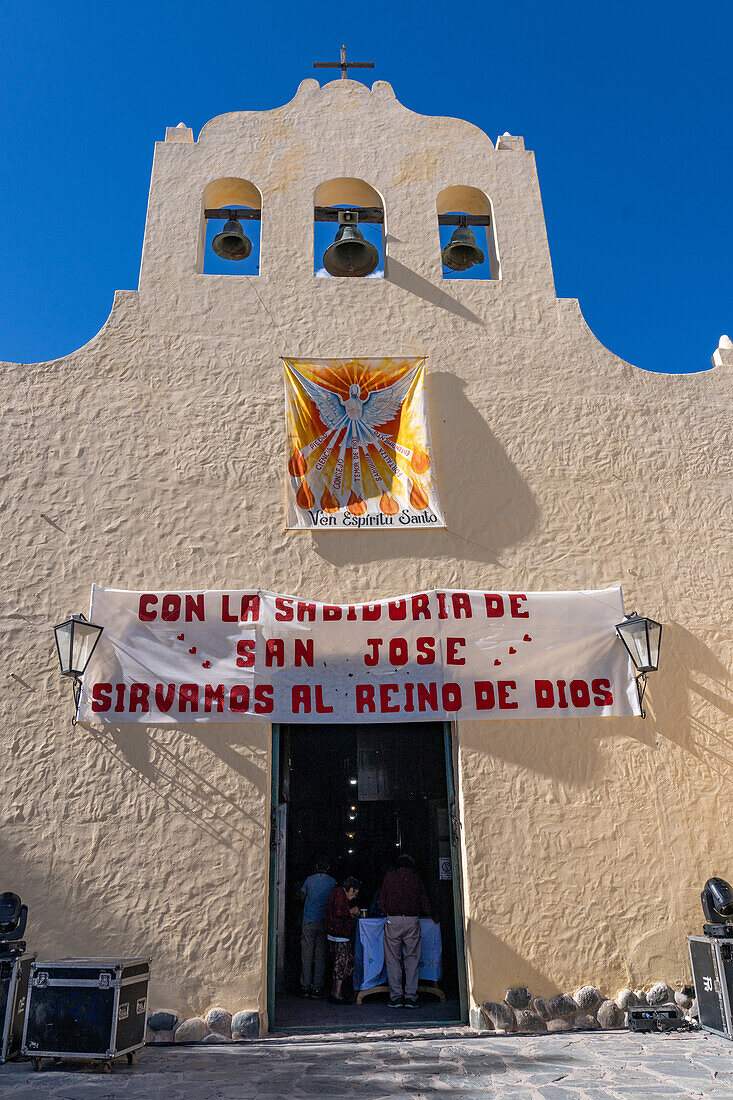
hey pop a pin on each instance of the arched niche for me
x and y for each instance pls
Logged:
(229, 192)
(343, 193)
(461, 199)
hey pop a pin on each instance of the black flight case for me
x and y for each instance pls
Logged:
(86, 1010)
(14, 974)
(711, 958)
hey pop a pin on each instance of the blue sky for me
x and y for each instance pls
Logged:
(628, 107)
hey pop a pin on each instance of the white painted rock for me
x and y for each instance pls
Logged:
(683, 1001)
(561, 1024)
(610, 1016)
(585, 1021)
(498, 1015)
(640, 997)
(588, 998)
(625, 998)
(246, 1024)
(194, 1030)
(562, 1005)
(528, 1023)
(518, 998)
(541, 1008)
(660, 994)
(220, 1021)
(215, 1037)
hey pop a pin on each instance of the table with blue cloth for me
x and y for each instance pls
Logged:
(370, 972)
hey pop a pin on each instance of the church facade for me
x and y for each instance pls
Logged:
(153, 460)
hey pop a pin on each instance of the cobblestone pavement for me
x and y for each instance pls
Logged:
(610, 1064)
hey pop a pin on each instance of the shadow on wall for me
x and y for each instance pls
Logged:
(677, 701)
(410, 281)
(487, 504)
(178, 776)
(507, 969)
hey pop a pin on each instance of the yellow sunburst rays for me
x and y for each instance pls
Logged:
(418, 497)
(356, 503)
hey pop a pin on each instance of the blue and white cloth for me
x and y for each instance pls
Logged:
(369, 968)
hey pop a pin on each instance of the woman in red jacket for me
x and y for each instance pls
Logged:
(341, 914)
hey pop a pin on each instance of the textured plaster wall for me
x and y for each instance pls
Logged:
(154, 457)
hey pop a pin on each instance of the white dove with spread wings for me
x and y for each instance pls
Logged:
(361, 417)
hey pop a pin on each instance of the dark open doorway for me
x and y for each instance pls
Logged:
(362, 795)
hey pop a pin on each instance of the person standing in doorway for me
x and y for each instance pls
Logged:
(341, 914)
(314, 893)
(404, 899)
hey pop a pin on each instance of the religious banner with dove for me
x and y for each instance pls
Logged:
(359, 450)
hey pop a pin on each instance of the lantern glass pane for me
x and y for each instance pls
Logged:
(84, 637)
(635, 638)
(63, 642)
(655, 637)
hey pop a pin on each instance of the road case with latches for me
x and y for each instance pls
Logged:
(711, 958)
(86, 1010)
(14, 974)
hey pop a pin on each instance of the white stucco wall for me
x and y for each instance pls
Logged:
(153, 458)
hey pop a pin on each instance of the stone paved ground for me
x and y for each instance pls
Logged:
(611, 1064)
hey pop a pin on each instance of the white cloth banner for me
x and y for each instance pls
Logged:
(213, 656)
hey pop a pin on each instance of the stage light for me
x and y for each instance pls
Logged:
(352, 780)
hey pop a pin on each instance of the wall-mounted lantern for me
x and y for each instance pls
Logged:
(642, 638)
(76, 640)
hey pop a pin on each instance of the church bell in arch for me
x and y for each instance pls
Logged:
(231, 243)
(462, 252)
(350, 255)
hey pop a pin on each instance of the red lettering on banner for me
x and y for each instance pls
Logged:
(426, 651)
(331, 613)
(427, 696)
(274, 652)
(579, 693)
(139, 697)
(602, 694)
(303, 652)
(365, 698)
(226, 615)
(462, 605)
(485, 697)
(283, 609)
(306, 610)
(370, 612)
(397, 610)
(246, 651)
(351, 613)
(170, 608)
(264, 699)
(451, 697)
(195, 606)
(398, 651)
(544, 693)
(384, 693)
(562, 699)
(101, 698)
(301, 697)
(147, 600)
(373, 657)
(494, 605)
(321, 707)
(165, 702)
(451, 655)
(409, 697)
(214, 697)
(188, 696)
(503, 687)
(420, 606)
(250, 608)
(514, 604)
(120, 704)
(442, 613)
(239, 698)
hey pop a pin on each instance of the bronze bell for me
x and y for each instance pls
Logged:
(231, 243)
(462, 252)
(350, 256)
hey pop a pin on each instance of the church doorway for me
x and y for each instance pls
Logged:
(361, 796)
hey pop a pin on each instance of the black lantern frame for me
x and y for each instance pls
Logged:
(76, 639)
(642, 639)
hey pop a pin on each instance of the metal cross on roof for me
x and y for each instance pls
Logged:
(343, 64)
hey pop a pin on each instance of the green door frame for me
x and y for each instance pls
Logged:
(457, 880)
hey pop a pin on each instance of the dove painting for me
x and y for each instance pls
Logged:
(359, 450)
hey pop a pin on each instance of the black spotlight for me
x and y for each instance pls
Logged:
(717, 906)
(13, 917)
